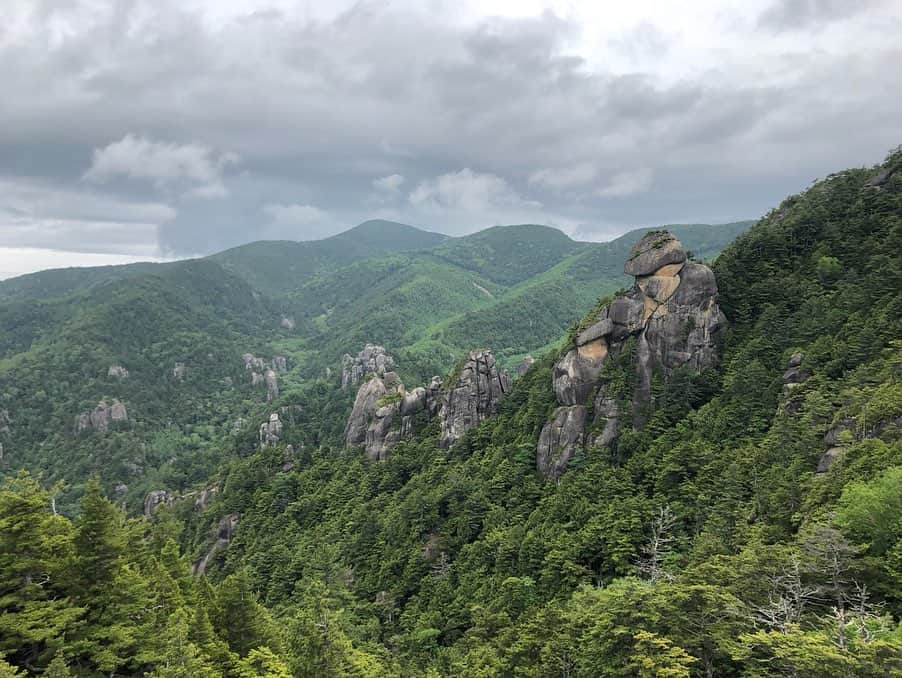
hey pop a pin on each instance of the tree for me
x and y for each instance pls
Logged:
(35, 548)
(660, 543)
(658, 657)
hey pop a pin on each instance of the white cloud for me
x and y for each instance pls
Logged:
(390, 184)
(563, 178)
(166, 165)
(468, 191)
(295, 215)
(627, 183)
(15, 261)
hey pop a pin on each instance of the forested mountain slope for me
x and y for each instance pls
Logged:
(167, 342)
(747, 523)
(749, 528)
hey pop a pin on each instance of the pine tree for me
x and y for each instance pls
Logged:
(35, 546)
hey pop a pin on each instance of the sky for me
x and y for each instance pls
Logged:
(158, 129)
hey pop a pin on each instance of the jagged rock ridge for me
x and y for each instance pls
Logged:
(385, 412)
(669, 319)
(373, 359)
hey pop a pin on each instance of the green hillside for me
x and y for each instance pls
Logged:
(63, 330)
(276, 267)
(469, 564)
(707, 543)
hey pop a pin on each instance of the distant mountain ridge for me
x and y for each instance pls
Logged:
(180, 332)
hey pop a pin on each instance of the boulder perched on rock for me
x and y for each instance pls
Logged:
(668, 320)
(372, 359)
(100, 418)
(656, 250)
(472, 395)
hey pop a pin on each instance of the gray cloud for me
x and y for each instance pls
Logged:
(398, 110)
(789, 15)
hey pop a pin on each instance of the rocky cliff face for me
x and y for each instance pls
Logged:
(472, 396)
(668, 320)
(385, 412)
(372, 359)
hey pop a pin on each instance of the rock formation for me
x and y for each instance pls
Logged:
(287, 322)
(472, 396)
(524, 365)
(385, 412)
(372, 359)
(271, 431)
(272, 385)
(100, 418)
(225, 529)
(279, 363)
(155, 499)
(117, 372)
(669, 319)
(252, 363)
(179, 371)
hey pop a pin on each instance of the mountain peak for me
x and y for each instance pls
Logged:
(391, 233)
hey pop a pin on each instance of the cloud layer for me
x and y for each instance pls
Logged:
(156, 126)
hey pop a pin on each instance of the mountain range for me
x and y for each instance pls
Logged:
(391, 452)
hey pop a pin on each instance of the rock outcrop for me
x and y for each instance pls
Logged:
(272, 385)
(524, 365)
(385, 412)
(155, 499)
(271, 431)
(100, 418)
(179, 371)
(669, 319)
(225, 529)
(117, 372)
(372, 359)
(472, 396)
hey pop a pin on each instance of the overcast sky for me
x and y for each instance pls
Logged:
(137, 129)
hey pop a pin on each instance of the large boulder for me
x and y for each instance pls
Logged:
(472, 396)
(562, 438)
(655, 250)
